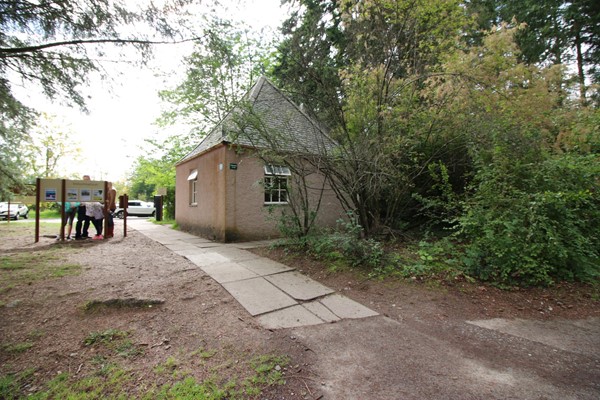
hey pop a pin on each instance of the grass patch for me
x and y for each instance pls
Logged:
(165, 221)
(269, 369)
(36, 334)
(116, 341)
(17, 348)
(110, 381)
(170, 365)
(126, 348)
(27, 228)
(98, 305)
(46, 214)
(26, 267)
(204, 353)
(11, 384)
(189, 388)
(66, 270)
(8, 263)
(104, 337)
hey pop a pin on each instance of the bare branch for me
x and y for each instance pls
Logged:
(31, 49)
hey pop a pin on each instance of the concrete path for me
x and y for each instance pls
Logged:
(277, 295)
(383, 358)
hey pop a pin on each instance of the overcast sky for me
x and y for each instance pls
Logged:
(122, 112)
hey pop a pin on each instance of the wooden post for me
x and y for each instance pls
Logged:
(63, 194)
(126, 203)
(37, 209)
(123, 202)
(106, 205)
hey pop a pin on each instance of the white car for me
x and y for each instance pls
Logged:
(17, 210)
(136, 208)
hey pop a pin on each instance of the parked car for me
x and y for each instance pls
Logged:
(136, 208)
(17, 210)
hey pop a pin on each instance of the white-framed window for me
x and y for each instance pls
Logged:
(193, 180)
(276, 184)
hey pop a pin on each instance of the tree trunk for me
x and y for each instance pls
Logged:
(580, 71)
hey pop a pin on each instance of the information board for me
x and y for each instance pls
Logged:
(75, 190)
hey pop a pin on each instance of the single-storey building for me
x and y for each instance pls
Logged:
(236, 184)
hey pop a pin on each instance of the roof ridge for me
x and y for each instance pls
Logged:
(211, 133)
(256, 88)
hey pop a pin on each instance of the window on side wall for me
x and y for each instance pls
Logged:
(193, 188)
(276, 184)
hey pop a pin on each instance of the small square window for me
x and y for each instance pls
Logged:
(276, 184)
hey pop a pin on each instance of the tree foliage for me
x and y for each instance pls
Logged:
(50, 143)
(224, 64)
(379, 53)
(556, 32)
(522, 216)
(53, 47)
(222, 67)
(441, 125)
(156, 169)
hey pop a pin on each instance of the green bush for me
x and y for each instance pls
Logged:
(533, 226)
(345, 244)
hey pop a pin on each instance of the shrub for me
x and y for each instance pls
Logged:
(345, 243)
(536, 226)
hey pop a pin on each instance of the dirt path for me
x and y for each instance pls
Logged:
(199, 328)
(428, 343)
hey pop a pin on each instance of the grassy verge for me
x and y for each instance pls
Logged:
(170, 222)
(26, 267)
(109, 379)
(46, 214)
(23, 267)
(21, 228)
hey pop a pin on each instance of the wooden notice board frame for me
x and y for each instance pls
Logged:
(62, 190)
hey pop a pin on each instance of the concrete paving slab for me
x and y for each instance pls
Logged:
(321, 311)
(180, 246)
(343, 307)
(258, 296)
(254, 245)
(228, 272)
(142, 225)
(291, 317)
(580, 337)
(299, 286)
(191, 252)
(207, 245)
(207, 258)
(264, 266)
(197, 240)
(164, 240)
(165, 237)
(235, 254)
(264, 287)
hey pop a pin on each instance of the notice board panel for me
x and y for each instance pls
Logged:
(75, 190)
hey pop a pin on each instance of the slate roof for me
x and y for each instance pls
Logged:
(266, 118)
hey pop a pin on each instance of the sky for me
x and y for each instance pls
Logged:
(122, 111)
